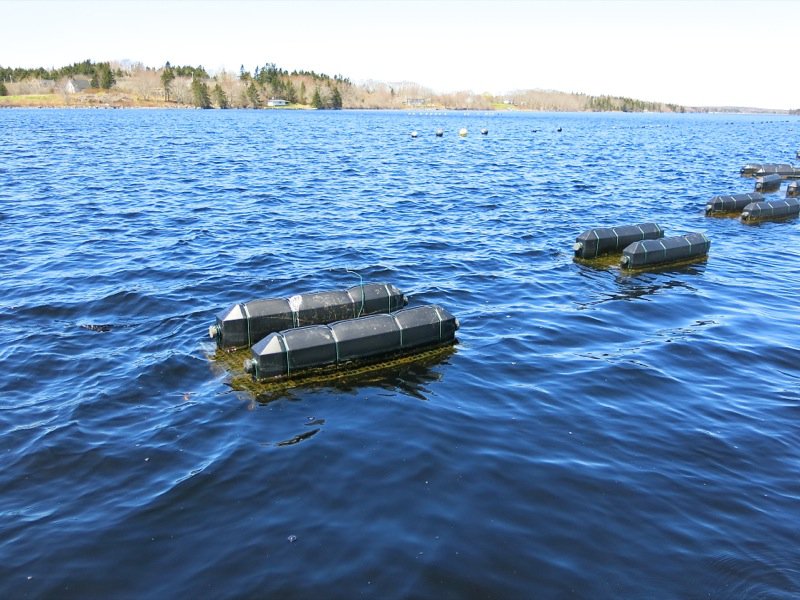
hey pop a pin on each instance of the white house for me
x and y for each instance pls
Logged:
(73, 86)
(277, 102)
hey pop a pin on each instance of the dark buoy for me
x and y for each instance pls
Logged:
(771, 209)
(439, 133)
(664, 251)
(484, 131)
(245, 324)
(604, 240)
(793, 190)
(768, 183)
(366, 339)
(732, 203)
(558, 130)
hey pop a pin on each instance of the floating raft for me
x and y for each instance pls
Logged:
(793, 190)
(245, 324)
(769, 183)
(604, 240)
(365, 339)
(751, 169)
(732, 203)
(772, 209)
(666, 250)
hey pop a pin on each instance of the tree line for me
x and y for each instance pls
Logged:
(193, 86)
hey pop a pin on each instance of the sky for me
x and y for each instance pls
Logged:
(694, 53)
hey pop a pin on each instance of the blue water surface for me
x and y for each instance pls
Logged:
(594, 435)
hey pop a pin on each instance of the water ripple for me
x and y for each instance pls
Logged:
(593, 434)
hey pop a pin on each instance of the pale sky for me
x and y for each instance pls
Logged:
(739, 53)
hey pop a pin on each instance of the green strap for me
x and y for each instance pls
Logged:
(335, 344)
(363, 295)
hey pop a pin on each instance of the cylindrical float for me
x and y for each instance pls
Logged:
(771, 209)
(785, 171)
(604, 240)
(666, 250)
(365, 339)
(768, 183)
(246, 324)
(751, 169)
(732, 203)
(793, 190)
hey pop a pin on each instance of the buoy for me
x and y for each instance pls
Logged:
(768, 183)
(771, 209)
(666, 250)
(484, 131)
(365, 339)
(439, 133)
(414, 134)
(558, 130)
(245, 324)
(604, 240)
(732, 203)
(793, 190)
(462, 132)
(750, 169)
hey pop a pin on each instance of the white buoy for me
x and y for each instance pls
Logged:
(414, 134)
(439, 133)
(462, 132)
(484, 131)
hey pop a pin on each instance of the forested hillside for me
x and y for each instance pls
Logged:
(134, 84)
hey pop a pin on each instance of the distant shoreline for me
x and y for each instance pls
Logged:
(114, 101)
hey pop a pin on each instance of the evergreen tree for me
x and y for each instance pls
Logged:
(94, 83)
(336, 98)
(3, 90)
(291, 94)
(167, 76)
(252, 95)
(200, 95)
(105, 76)
(220, 97)
(301, 98)
(316, 99)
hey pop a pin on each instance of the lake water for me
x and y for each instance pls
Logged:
(594, 434)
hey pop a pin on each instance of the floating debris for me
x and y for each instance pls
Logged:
(104, 328)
